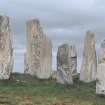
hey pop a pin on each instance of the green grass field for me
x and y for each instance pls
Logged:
(27, 90)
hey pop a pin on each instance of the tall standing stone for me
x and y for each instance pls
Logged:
(66, 64)
(89, 62)
(100, 77)
(38, 61)
(6, 50)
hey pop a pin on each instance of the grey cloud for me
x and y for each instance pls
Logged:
(62, 21)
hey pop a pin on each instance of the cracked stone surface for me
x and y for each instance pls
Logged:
(66, 64)
(89, 62)
(6, 50)
(100, 77)
(38, 58)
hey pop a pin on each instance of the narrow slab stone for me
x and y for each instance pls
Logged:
(6, 50)
(89, 62)
(100, 78)
(66, 64)
(39, 51)
(101, 57)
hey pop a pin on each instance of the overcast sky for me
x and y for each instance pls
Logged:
(62, 21)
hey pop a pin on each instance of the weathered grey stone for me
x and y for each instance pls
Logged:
(101, 57)
(89, 63)
(100, 77)
(6, 50)
(73, 60)
(66, 64)
(39, 51)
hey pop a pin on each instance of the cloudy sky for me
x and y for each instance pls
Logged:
(62, 21)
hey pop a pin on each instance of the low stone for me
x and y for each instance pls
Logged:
(66, 64)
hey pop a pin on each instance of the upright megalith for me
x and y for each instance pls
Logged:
(101, 57)
(38, 58)
(66, 64)
(100, 77)
(89, 62)
(6, 50)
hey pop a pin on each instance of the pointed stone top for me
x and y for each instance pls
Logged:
(4, 22)
(89, 34)
(89, 38)
(3, 18)
(34, 26)
(34, 21)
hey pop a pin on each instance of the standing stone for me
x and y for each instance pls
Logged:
(100, 77)
(38, 60)
(101, 57)
(6, 50)
(89, 63)
(66, 64)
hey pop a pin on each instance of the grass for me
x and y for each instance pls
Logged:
(26, 90)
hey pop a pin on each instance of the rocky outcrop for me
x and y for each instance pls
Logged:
(100, 77)
(66, 64)
(6, 50)
(89, 63)
(39, 51)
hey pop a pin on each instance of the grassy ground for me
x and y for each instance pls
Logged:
(26, 90)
